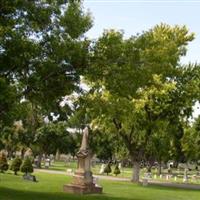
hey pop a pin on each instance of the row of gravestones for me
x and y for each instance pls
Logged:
(185, 177)
(47, 162)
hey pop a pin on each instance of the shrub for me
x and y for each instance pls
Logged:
(107, 169)
(26, 166)
(3, 162)
(116, 170)
(15, 166)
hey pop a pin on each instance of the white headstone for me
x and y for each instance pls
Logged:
(185, 177)
(47, 163)
(69, 171)
(120, 165)
(102, 169)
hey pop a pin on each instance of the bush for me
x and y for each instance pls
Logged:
(26, 166)
(15, 166)
(3, 162)
(107, 169)
(116, 170)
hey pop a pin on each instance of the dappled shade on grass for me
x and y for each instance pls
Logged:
(11, 194)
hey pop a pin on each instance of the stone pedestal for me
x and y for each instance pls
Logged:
(78, 189)
(82, 184)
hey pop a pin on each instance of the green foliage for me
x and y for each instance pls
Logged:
(75, 21)
(128, 64)
(137, 86)
(3, 162)
(12, 136)
(108, 169)
(103, 145)
(191, 141)
(53, 136)
(26, 166)
(1, 144)
(7, 102)
(43, 52)
(116, 170)
(15, 166)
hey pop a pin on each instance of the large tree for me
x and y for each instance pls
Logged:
(43, 49)
(135, 85)
(43, 52)
(52, 136)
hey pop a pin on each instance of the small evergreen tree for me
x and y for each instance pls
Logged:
(26, 166)
(3, 162)
(116, 170)
(15, 166)
(107, 169)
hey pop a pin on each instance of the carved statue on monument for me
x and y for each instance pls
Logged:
(84, 150)
(83, 179)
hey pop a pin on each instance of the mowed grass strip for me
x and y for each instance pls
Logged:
(49, 187)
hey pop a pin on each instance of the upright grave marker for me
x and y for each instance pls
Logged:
(83, 182)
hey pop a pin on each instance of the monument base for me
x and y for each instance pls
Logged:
(82, 189)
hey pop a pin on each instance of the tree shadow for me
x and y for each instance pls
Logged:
(11, 194)
(171, 188)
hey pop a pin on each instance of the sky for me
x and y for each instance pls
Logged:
(135, 16)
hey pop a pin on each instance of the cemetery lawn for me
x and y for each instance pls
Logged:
(126, 172)
(62, 166)
(49, 187)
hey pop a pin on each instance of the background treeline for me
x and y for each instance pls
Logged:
(139, 97)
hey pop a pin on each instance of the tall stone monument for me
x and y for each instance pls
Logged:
(83, 180)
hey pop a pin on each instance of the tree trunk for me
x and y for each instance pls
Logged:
(136, 172)
(39, 160)
(150, 165)
(22, 153)
(176, 164)
(58, 155)
(149, 168)
(159, 168)
(9, 154)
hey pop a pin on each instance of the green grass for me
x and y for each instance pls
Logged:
(60, 166)
(50, 186)
(63, 166)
